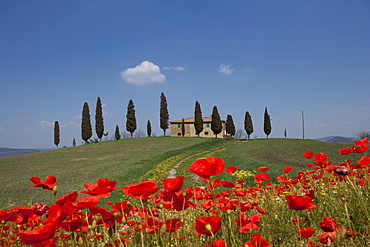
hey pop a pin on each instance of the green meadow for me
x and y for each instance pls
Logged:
(131, 160)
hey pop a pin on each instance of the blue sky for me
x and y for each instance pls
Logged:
(289, 56)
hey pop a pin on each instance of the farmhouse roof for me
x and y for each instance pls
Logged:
(192, 120)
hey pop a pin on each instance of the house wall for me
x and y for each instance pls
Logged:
(190, 130)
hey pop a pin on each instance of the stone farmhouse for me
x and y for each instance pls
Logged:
(190, 129)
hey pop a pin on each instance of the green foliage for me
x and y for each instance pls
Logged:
(86, 129)
(230, 127)
(198, 119)
(56, 134)
(99, 120)
(117, 134)
(216, 124)
(248, 124)
(163, 112)
(149, 128)
(267, 123)
(131, 118)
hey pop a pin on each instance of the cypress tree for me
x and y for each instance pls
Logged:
(183, 127)
(285, 134)
(149, 128)
(131, 119)
(248, 125)
(99, 120)
(86, 129)
(267, 123)
(117, 134)
(74, 142)
(198, 120)
(56, 134)
(216, 124)
(164, 116)
(230, 127)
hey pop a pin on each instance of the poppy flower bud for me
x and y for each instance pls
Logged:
(55, 190)
(93, 224)
(328, 224)
(341, 171)
(80, 241)
(208, 227)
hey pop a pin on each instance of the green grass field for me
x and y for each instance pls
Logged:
(126, 161)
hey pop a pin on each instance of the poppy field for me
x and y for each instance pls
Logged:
(328, 204)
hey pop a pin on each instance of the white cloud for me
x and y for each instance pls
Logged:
(349, 123)
(175, 68)
(70, 123)
(226, 69)
(320, 125)
(46, 124)
(77, 117)
(146, 72)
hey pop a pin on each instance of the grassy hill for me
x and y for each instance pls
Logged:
(129, 160)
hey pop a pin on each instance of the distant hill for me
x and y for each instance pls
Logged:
(337, 139)
(15, 151)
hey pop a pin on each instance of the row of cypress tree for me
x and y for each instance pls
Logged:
(131, 125)
(216, 124)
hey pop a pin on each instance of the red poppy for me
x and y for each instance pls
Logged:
(308, 154)
(328, 237)
(70, 197)
(300, 202)
(7, 215)
(173, 184)
(103, 187)
(141, 190)
(231, 169)
(320, 158)
(288, 169)
(306, 232)
(263, 168)
(73, 222)
(257, 241)
(364, 161)
(345, 151)
(173, 224)
(227, 184)
(36, 236)
(24, 213)
(88, 202)
(362, 142)
(341, 171)
(40, 209)
(246, 223)
(360, 149)
(261, 177)
(217, 243)
(178, 200)
(208, 167)
(49, 183)
(208, 225)
(328, 224)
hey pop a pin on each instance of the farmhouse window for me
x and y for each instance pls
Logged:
(178, 125)
(206, 133)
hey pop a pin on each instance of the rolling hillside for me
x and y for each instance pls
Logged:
(127, 161)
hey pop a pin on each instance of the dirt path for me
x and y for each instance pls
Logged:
(172, 172)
